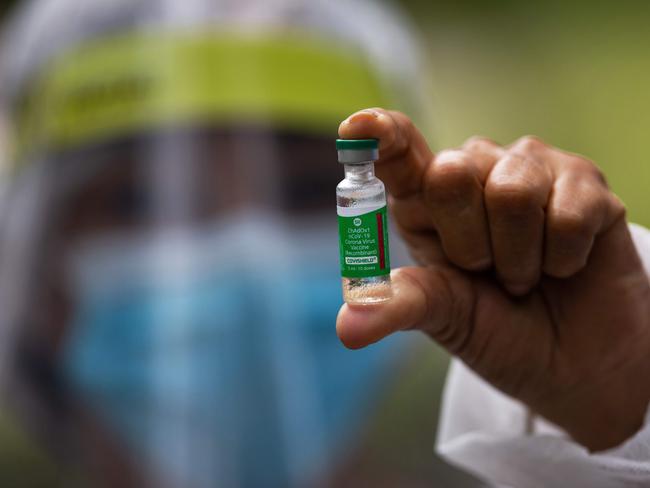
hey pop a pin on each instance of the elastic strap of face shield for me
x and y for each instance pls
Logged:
(146, 81)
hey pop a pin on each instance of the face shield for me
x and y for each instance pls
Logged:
(169, 266)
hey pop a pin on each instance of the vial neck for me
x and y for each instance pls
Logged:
(360, 171)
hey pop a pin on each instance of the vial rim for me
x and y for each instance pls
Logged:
(357, 144)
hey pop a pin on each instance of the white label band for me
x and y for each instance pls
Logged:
(354, 211)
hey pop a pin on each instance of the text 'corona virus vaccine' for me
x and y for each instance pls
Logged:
(363, 225)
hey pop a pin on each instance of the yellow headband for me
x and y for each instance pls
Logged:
(139, 82)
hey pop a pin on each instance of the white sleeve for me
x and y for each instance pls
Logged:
(494, 437)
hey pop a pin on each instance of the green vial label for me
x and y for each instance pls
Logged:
(363, 239)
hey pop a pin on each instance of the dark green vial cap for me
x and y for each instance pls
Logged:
(351, 151)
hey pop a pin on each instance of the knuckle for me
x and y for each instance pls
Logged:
(449, 176)
(512, 195)
(582, 168)
(618, 208)
(452, 165)
(579, 209)
(566, 254)
(478, 144)
(595, 174)
(599, 176)
(529, 144)
(572, 225)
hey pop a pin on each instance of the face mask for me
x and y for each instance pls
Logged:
(212, 355)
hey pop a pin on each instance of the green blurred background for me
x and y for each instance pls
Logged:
(574, 73)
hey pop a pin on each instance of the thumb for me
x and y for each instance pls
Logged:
(437, 300)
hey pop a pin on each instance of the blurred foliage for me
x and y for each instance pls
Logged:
(6, 6)
(22, 463)
(574, 73)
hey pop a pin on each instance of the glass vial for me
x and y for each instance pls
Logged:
(363, 224)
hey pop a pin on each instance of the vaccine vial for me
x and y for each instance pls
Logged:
(363, 229)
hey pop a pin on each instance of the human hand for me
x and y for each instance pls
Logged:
(527, 272)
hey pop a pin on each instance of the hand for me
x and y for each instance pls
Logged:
(527, 273)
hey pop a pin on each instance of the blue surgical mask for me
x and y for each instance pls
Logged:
(212, 355)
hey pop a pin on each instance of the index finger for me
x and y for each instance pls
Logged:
(403, 152)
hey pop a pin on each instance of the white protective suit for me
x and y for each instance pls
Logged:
(493, 436)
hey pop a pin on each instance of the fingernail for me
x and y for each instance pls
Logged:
(372, 111)
(363, 115)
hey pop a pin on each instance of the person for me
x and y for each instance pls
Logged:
(529, 274)
(168, 265)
